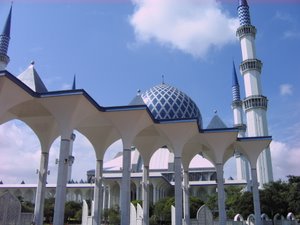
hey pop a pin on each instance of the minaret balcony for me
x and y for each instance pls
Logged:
(236, 104)
(251, 64)
(255, 101)
(246, 30)
(4, 58)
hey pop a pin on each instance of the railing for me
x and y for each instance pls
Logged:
(255, 101)
(251, 64)
(246, 30)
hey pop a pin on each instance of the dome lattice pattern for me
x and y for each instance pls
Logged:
(168, 103)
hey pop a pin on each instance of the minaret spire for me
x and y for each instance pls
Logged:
(235, 85)
(4, 41)
(242, 166)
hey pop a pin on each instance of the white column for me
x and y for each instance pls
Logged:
(178, 190)
(137, 187)
(62, 179)
(255, 192)
(98, 194)
(221, 194)
(186, 198)
(104, 191)
(125, 188)
(41, 189)
(154, 192)
(109, 197)
(73, 136)
(145, 194)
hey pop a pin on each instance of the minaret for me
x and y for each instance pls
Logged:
(255, 104)
(242, 165)
(4, 42)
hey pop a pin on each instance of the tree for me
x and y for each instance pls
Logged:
(162, 210)
(274, 198)
(294, 195)
(49, 209)
(195, 204)
(233, 194)
(113, 215)
(71, 209)
(212, 204)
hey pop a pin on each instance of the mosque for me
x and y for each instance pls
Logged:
(166, 149)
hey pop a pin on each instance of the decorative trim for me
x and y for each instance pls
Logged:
(251, 64)
(236, 104)
(246, 30)
(255, 101)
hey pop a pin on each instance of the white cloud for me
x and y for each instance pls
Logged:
(283, 16)
(19, 153)
(285, 159)
(286, 89)
(291, 34)
(192, 26)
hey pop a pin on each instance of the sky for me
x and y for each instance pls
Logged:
(115, 47)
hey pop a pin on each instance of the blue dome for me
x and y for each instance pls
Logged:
(169, 103)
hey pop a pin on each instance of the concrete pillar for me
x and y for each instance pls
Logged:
(178, 190)
(186, 198)
(98, 194)
(256, 201)
(62, 179)
(145, 195)
(41, 189)
(109, 197)
(125, 188)
(137, 187)
(154, 192)
(104, 198)
(71, 157)
(221, 194)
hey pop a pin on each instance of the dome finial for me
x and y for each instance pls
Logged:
(163, 79)
(138, 92)
(32, 62)
(215, 111)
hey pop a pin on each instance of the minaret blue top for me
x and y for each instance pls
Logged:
(5, 36)
(244, 14)
(235, 86)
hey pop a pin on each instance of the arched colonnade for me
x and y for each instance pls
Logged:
(59, 113)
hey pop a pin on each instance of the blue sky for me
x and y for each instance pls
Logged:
(117, 47)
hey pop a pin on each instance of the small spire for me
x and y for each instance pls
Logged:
(6, 29)
(4, 41)
(235, 85)
(235, 81)
(138, 92)
(163, 79)
(74, 83)
(32, 63)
